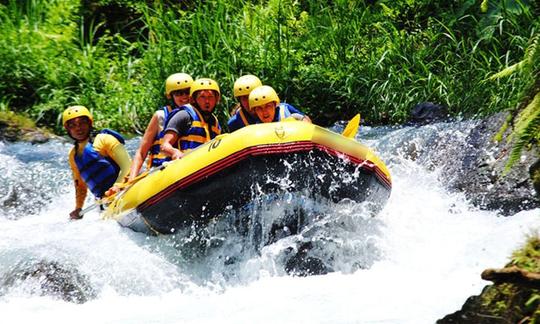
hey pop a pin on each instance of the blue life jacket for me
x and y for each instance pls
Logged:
(282, 112)
(240, 119)
(156, 157)
(97, 171)
(200, 131)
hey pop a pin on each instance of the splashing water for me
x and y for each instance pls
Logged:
(415, 262)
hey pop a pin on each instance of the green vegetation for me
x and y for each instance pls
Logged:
(331, 59)
(526, 130)
(528, 257)
(511, 302)
(10, 118)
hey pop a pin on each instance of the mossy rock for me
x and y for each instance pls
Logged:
(15, 127)
(505, 302)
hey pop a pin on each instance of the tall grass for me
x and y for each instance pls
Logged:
(330, 59)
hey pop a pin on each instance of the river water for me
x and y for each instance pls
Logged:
(416, 261)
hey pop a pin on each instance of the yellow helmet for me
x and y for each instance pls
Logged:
(74, 112)
(261, 96)
(177, 81)
(245, 84)
(204, 84)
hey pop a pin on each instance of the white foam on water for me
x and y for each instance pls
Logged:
(433, 245)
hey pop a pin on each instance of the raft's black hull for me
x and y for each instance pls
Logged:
(235, 181)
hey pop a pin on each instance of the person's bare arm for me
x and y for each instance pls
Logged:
(80, 187)
(167, 146)
(146, 143)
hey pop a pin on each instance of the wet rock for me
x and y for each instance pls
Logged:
(478, 171)
(428, 112)
(36, 136)
(534, 172)
(19, 200)
(291, 223)
(13, 130)
(301, 264)
(513, 274)
(48, 278)
(496, 304)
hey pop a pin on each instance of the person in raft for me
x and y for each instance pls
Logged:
(195, 124)
(240, 113)
(99, 162)
(177, 88)
(265, 104)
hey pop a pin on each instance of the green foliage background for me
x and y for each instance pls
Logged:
(331, 59)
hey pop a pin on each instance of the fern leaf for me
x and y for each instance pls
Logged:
(532, 54)
(526, 130)
(499, 136)
(509, 70)
(527, 135)
(528, 113)
(533, 50)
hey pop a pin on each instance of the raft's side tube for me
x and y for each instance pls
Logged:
(225, 145)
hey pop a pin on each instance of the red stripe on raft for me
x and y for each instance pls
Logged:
(266, 149)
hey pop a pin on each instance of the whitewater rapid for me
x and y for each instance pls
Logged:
(425, 252)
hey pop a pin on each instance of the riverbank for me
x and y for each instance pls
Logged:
(15, 127)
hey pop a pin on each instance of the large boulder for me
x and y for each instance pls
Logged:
(481, 171)
(15, 128)
(496, 304)
(48, 278)
(513, 298)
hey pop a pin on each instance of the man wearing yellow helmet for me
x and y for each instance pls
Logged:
(241, 115)
(265, 104)
(188, 128)
(98, 163)
(177, 87)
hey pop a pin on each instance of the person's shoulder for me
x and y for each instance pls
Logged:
(106, 138)
(288, 105)
(71, 153)
(159, 113)
(180, 113)
(292, 108)
(235, 110)
(234, 119)
(103, 138)
(178, 120)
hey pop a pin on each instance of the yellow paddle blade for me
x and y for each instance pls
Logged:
(352, 127)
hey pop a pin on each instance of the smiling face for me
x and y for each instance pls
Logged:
(266, 112)
(79, 128)
(206, 100)
(180, 97)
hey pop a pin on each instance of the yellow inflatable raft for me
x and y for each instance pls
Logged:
(228, 171)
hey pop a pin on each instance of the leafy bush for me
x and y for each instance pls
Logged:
(331, 59)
